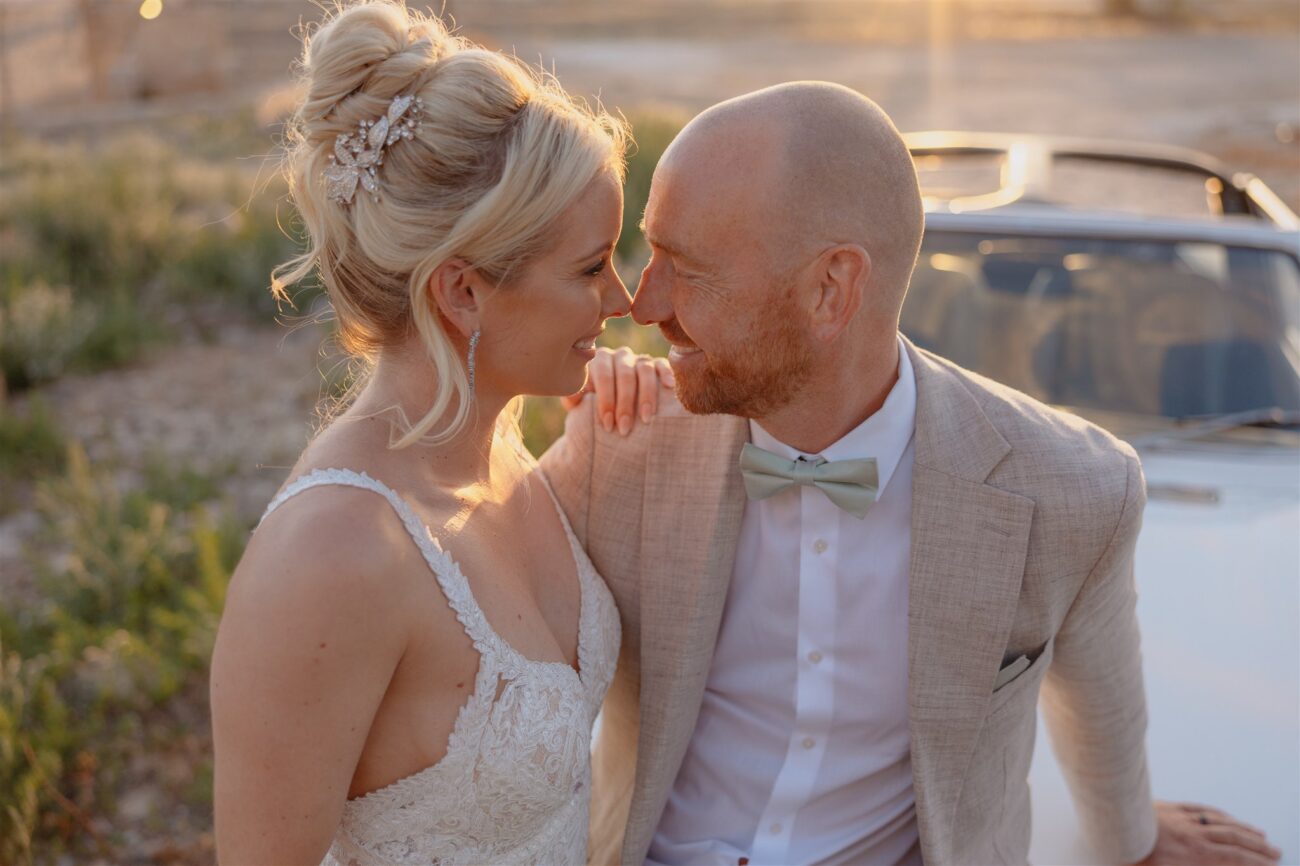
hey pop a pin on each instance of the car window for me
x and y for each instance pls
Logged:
(1148, 328)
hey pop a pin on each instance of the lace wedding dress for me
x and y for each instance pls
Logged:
(514, 786)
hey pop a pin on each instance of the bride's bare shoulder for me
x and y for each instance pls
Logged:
(330, 551)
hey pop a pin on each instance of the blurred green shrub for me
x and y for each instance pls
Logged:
(653, 130)
(103, 249)
(130, 233)
(131, 589)
(40, 332)
(31, 445)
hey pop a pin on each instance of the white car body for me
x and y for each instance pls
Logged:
(1218, 601)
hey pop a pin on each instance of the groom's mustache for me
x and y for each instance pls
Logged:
(674, 334)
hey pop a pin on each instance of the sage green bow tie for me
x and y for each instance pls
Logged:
(850, 484)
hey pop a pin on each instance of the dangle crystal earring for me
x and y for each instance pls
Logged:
(473, 346)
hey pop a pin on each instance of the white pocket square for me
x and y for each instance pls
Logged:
(1010, 672)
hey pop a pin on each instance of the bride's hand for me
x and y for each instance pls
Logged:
(626, 386)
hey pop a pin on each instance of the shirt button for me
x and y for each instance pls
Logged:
(814, 656)
(809, 742)
(820, 545)
(775, 828)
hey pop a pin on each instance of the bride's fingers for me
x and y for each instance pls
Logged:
(625, 388)
(647, 386)
(600, 370)
(665, 370)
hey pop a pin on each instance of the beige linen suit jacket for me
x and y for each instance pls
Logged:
(1024, 521)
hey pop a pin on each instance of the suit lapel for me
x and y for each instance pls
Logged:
(688, 543)
(969, 542)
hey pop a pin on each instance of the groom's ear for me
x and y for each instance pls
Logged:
(842, 273)
(458, 291)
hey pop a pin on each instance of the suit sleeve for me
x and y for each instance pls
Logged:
(1093, 697)
(567, 464)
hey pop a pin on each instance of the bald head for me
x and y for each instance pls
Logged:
(821, 163)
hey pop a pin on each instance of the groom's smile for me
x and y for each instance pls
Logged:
(681, 345)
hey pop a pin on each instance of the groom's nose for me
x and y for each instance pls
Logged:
(652, 302)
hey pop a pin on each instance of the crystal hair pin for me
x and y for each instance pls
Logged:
(357, 156)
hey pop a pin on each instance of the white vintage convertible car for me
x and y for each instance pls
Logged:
(1156, 293)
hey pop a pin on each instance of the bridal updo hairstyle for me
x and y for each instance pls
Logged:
(500, 152)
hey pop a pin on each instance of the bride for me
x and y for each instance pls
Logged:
(414, 646)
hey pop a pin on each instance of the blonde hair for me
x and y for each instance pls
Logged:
(501, 151)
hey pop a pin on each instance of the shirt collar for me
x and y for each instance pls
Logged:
(884, 435)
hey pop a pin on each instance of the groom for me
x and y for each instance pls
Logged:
(844, 565)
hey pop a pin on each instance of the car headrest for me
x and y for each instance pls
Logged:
(1217, 377)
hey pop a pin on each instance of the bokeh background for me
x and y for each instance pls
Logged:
(152, 396)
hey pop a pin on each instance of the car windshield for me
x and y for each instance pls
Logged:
(1170, 329)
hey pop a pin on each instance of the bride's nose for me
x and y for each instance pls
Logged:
(616, 301)
(653, 301)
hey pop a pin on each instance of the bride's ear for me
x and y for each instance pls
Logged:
(458, 290)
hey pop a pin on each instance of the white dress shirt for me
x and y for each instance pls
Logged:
(801, 754)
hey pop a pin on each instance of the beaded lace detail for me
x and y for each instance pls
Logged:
(514, 785)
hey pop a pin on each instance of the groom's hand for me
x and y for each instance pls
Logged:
(1189, 834)
(626, 386)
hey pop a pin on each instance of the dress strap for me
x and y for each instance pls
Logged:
(445, 569)
(559, 509)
